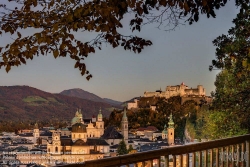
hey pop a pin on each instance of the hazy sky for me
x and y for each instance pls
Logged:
(183, 55)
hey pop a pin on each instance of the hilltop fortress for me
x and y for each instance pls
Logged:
(197, 94)
(178, 90)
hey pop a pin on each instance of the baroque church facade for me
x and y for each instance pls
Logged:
(86, 142)
(83, 144)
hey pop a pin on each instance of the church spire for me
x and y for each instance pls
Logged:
(99, 116)
(171, 122)
(124, 126)
(124, 117)
(36, 126)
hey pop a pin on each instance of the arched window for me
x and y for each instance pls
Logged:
(56, 150)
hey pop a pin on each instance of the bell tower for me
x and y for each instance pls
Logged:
(56, 142)
(100, 123)
(124, 126)
(171, 130)
(36, 133)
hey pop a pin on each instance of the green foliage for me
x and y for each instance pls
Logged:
(130, 148)
(145, 117)
(52, 99)
(122, 148)
(231, 112)
(34, 99)
(221, 124)
(232, 95)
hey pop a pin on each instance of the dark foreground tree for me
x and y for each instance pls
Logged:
(122, 148)
(55, 21)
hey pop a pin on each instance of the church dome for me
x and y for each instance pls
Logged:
(79, 128)
(80, 142)
(75, 120)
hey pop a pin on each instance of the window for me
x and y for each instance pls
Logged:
(56, 150)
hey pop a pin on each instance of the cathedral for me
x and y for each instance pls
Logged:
(87, 141)
(83, 144)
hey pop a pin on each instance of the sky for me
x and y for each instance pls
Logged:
(182, 55)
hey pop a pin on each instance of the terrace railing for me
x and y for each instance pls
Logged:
(229, 152)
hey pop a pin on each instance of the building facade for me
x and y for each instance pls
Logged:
(83, 144)
(178, 90)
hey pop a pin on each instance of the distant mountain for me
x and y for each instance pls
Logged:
(112, 102)
(82, 94)
(90, 96)
(20, 103)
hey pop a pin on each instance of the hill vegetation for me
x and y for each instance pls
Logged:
(90, 96)
(182, 113)
(24, 105)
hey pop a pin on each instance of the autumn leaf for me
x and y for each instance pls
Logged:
(55, 53)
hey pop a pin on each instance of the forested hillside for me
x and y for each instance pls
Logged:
(22, 104)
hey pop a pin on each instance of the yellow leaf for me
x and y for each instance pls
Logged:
(8, 68)
(75, 26)
(244, 63)
(55, 53)
(186, 7)
(55, 27)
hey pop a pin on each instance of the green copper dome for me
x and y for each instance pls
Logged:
(75, 120)
(165, 131)
(171, 122)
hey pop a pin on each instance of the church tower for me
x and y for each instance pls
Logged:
(36, 132)
(164, 133)
(100, 123)
(171, 130)
(56, 143)
(124, 126)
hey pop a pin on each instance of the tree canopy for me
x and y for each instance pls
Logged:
(55, 21)
(122, 148)
(232, 95)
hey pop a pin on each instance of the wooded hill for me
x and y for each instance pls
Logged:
(22, 103)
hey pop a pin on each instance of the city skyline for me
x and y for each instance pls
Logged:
(182, 55)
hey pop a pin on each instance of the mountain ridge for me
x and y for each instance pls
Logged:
(20, 103)
(77, 92)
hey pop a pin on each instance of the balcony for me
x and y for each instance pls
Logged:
(229, 152)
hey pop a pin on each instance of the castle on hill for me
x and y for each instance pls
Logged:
(178, 90)
(197, 94)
